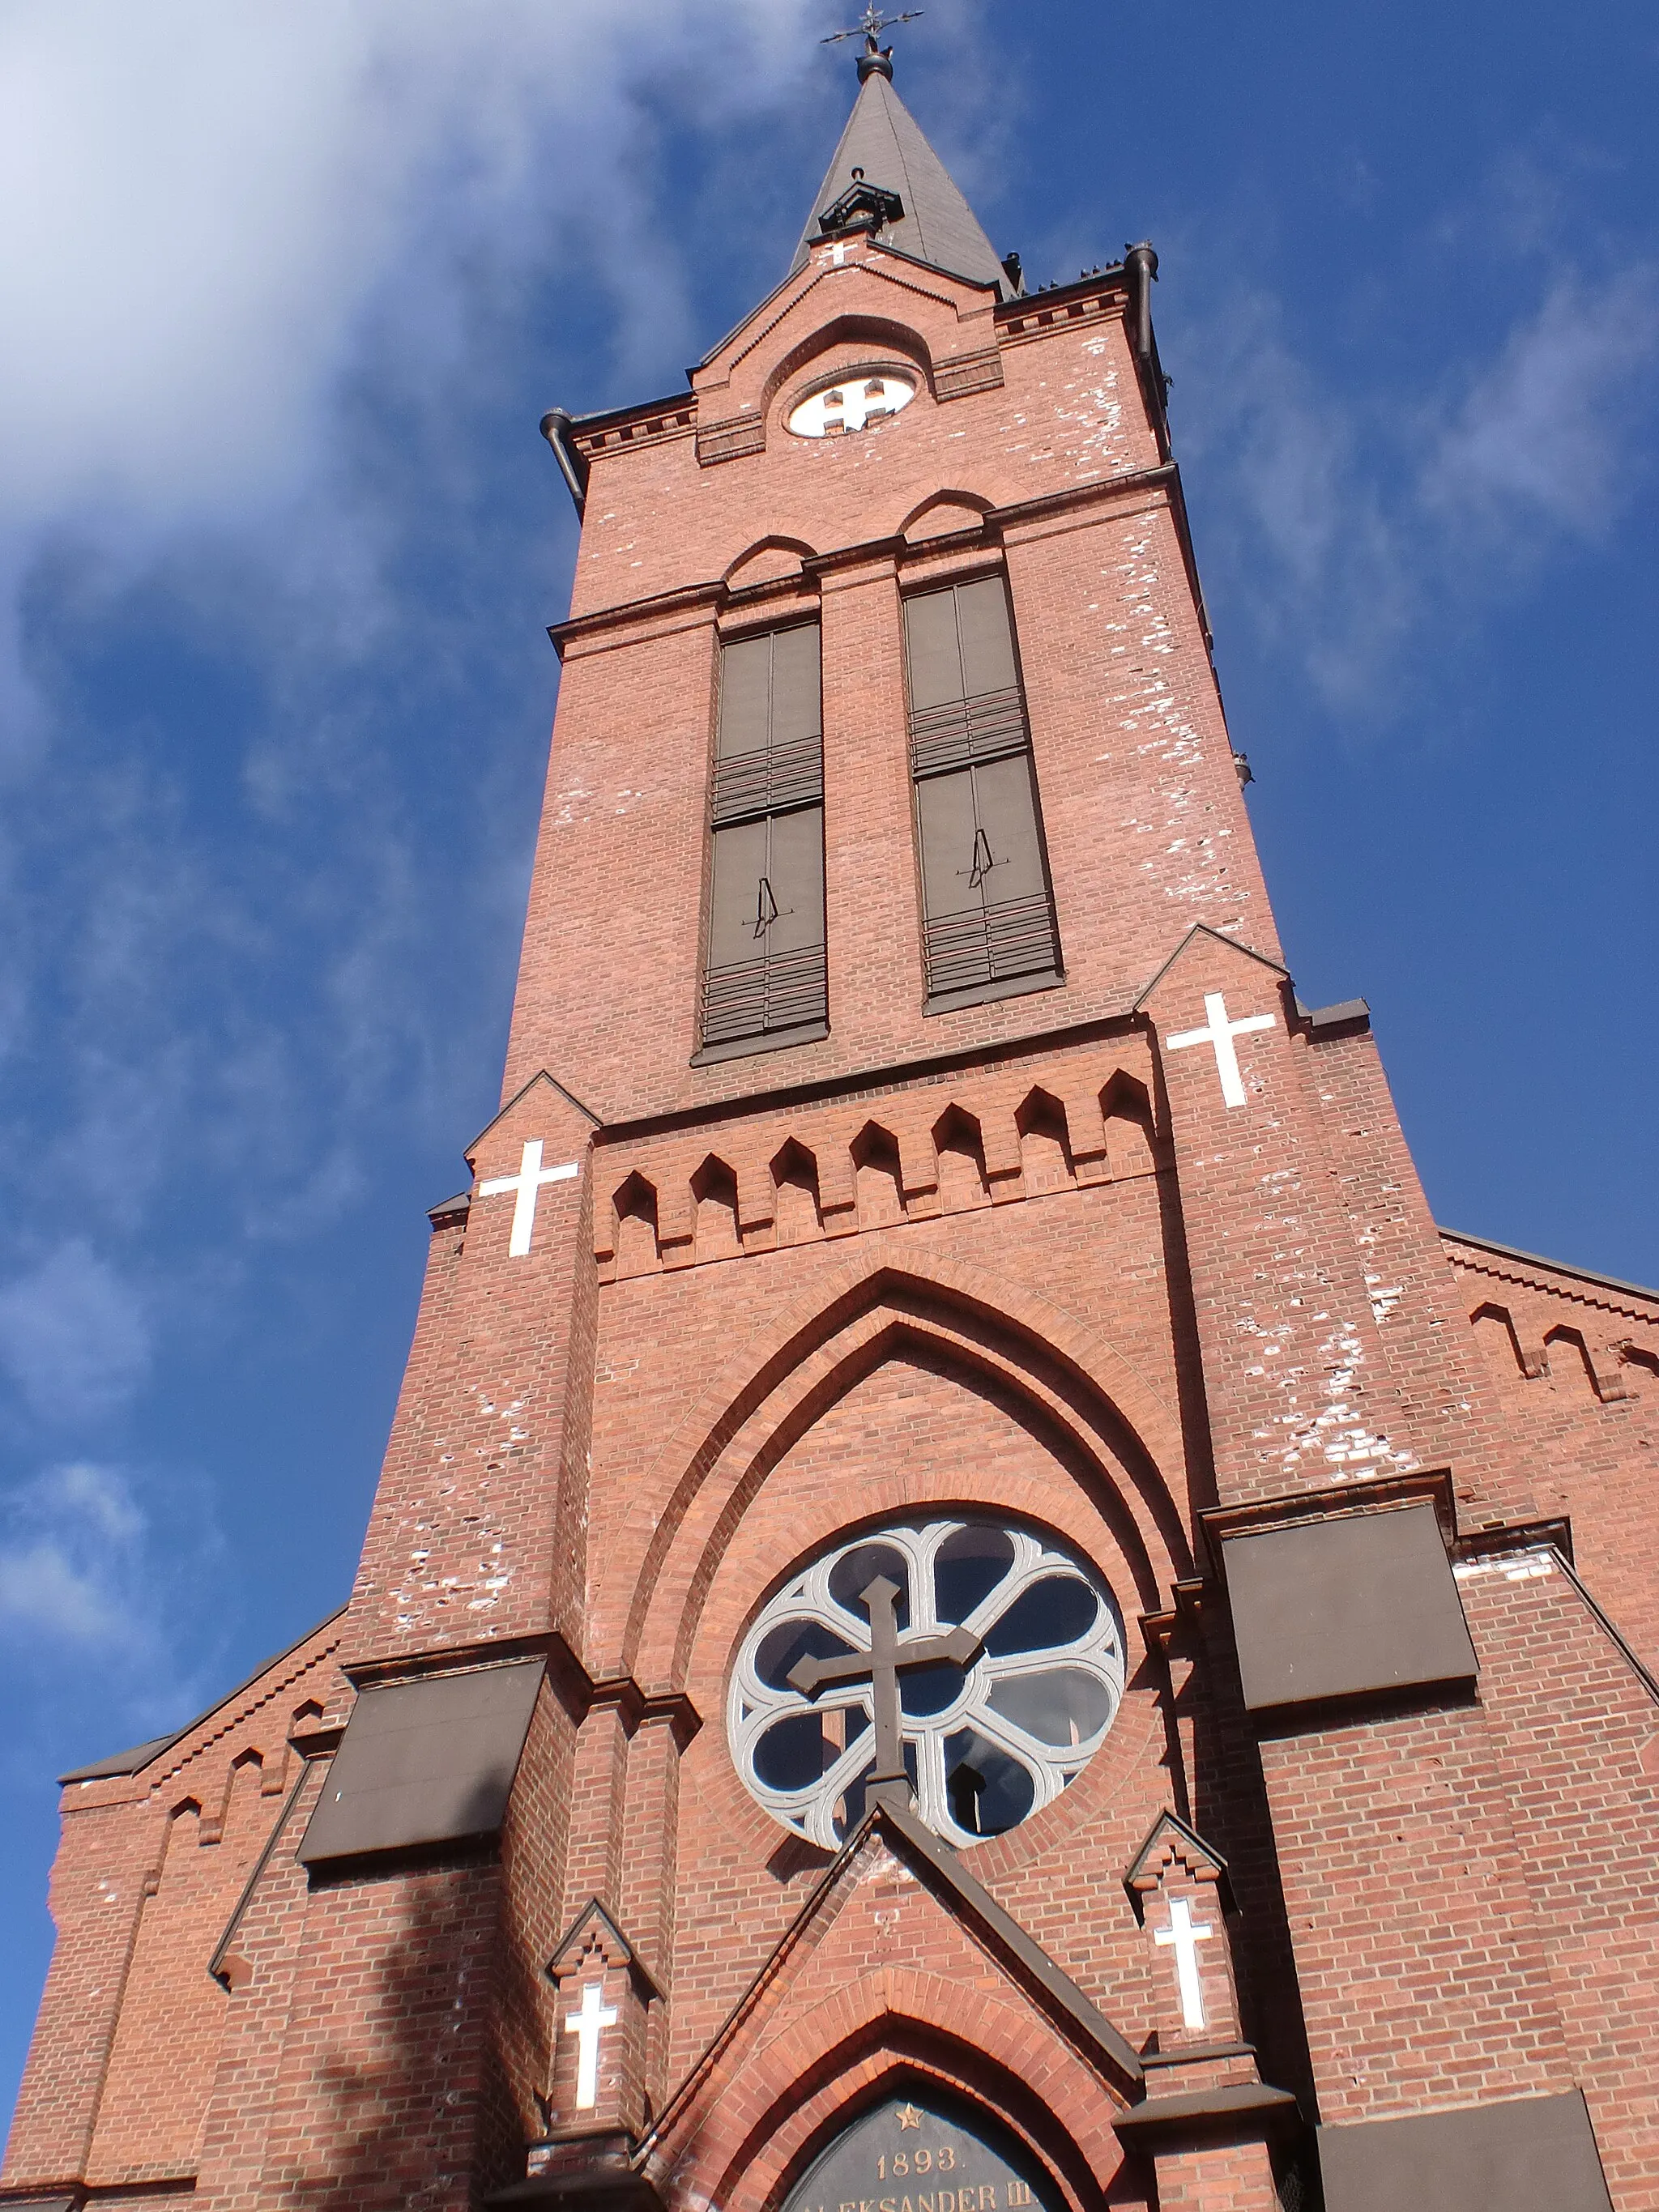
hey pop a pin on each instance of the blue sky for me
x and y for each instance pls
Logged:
(287, 287)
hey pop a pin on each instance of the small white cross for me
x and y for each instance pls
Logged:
(1185, 1936)
(526, 1185)
(1220, 1032)
(584, 2026)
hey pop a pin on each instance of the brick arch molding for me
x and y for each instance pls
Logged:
(738, 1482)
(752, 2128)
(755, 564)
(902, 338)
(1079, 1382)
(972, 505)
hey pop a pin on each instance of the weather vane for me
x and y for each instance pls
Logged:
(871, 23)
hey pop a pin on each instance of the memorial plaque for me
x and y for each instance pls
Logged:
(920, 2154)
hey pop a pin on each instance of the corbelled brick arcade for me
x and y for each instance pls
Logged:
(969, 1606)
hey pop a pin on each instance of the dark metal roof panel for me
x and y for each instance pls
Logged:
(120, 1762)
(426, 1762)
(884, 139)
(1227, 2101)
(1524, 2154)
(1347, 1011)
(1356, 1606)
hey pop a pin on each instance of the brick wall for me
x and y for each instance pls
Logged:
(1571, 1362)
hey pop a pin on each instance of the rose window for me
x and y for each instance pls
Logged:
(973, 1655)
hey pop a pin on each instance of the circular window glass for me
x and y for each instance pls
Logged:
(1005, 1653)
(853, 404)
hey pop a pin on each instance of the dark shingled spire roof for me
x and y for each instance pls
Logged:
(882, 139)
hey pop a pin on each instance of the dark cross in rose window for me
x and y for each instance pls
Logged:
(881, 1666)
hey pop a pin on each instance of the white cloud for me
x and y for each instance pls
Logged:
(1294, 507)
(101, 1579)
(72, 1560)
(1544, 430)
(258, 262)
(1346, 518)
(74, 1337)
(214, 213)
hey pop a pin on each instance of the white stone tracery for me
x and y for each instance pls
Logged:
(1036, 1704)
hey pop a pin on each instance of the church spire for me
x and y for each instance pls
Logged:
(884, 160)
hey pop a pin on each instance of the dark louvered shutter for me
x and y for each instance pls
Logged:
(765, 971)
(987, 914)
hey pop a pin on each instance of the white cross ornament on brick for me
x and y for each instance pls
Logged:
(586, 2025)
(1182, 1936)
(526, 1187)
(1218, 1032)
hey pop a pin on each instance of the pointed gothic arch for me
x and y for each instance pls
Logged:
(1101, 1411)
(906, 2029)
(916, 1338)
(910, 2059)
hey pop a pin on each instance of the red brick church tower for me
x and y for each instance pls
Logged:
(969, 1606)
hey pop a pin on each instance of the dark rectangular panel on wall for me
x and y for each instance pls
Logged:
(766, 943)
(741, 859)
(765, 971)
(769, 752)
(1357, 1605)
(987, 914)
(424, 1762)
(965, 700)
(1535, 2154)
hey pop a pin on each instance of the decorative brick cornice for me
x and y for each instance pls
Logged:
(1504, 1263)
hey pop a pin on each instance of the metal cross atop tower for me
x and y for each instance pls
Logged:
(870, 24)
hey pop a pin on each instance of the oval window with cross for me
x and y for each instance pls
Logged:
(854, 402)
(972, 1656)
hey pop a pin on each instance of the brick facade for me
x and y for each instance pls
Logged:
(1031, 1257)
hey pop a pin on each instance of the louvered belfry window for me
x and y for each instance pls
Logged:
(988, 918)
(765, 971)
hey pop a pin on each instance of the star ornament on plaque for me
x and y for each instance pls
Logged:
(929, 2153)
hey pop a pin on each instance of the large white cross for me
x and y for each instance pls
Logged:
(1220, 1032)
(584, 2026)
(1184, 1935)
(526, 1187)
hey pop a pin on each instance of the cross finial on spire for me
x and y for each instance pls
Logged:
(876, 60)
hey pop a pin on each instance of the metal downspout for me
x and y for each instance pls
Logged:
(556, 428)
